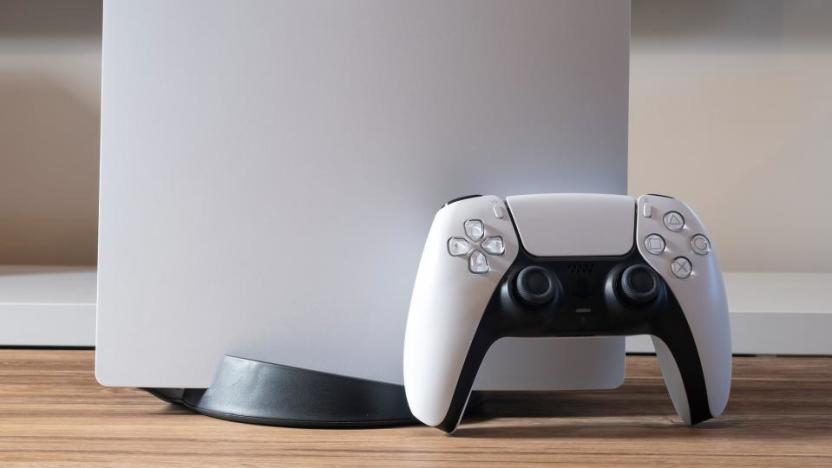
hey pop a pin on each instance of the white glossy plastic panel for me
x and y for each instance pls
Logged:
(574, 224)
(700, 292)
(447, 305)
(269, 170)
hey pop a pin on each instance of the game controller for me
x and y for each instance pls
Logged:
(566, 265)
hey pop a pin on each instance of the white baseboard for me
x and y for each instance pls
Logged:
(47, 306)
(774, 313)
(771, 313)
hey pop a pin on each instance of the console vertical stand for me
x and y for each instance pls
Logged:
(258, 392)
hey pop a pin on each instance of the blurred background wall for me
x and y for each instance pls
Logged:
(731, 110)
(49, 118)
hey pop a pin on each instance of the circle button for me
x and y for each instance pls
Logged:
(681, 267)
(700, 244)
(674, 221)
(654, 244)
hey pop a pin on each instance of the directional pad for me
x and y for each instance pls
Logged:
(493, 245)
(474, 229)
(477, 263)
(458, 247)
(476, 247)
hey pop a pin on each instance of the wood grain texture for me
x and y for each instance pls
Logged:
(52, 411)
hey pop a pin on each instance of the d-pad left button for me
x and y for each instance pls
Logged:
(458, 247)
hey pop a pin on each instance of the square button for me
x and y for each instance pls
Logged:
(654, 244)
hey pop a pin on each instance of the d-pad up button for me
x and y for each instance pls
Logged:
(474, 229)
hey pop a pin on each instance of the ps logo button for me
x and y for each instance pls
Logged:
(654, 244)
(458, 247)
(674, 221)
(494, 245)
(681, 267)
(477, 263)
(474, 229)
(700, 244)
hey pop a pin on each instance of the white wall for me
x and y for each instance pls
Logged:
(731, 110)
(49, 120)
(737, 94)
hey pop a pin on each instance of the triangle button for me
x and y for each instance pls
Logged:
(674, 221)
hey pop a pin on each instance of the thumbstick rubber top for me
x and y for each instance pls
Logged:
(535, 285)
(640, 284)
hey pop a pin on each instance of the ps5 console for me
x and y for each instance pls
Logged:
(566, 265)
(269, 171)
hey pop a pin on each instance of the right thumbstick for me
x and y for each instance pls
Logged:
(640, 284)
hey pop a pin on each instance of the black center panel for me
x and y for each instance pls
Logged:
(590, 302)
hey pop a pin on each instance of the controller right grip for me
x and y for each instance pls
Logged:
(688, 361)
(682, 378)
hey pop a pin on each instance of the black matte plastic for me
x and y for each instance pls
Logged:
(589, 304)
(251, 391)
(639, 290)
(464, 197)
(535, 285)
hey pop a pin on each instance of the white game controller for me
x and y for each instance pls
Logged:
(566, 265)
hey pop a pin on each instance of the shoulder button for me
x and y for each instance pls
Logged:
(451, 202)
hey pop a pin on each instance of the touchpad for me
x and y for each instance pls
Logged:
(574, 224)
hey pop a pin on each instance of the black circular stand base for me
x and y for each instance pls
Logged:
(257, 392)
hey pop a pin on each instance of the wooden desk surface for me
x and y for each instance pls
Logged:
(780, 413)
